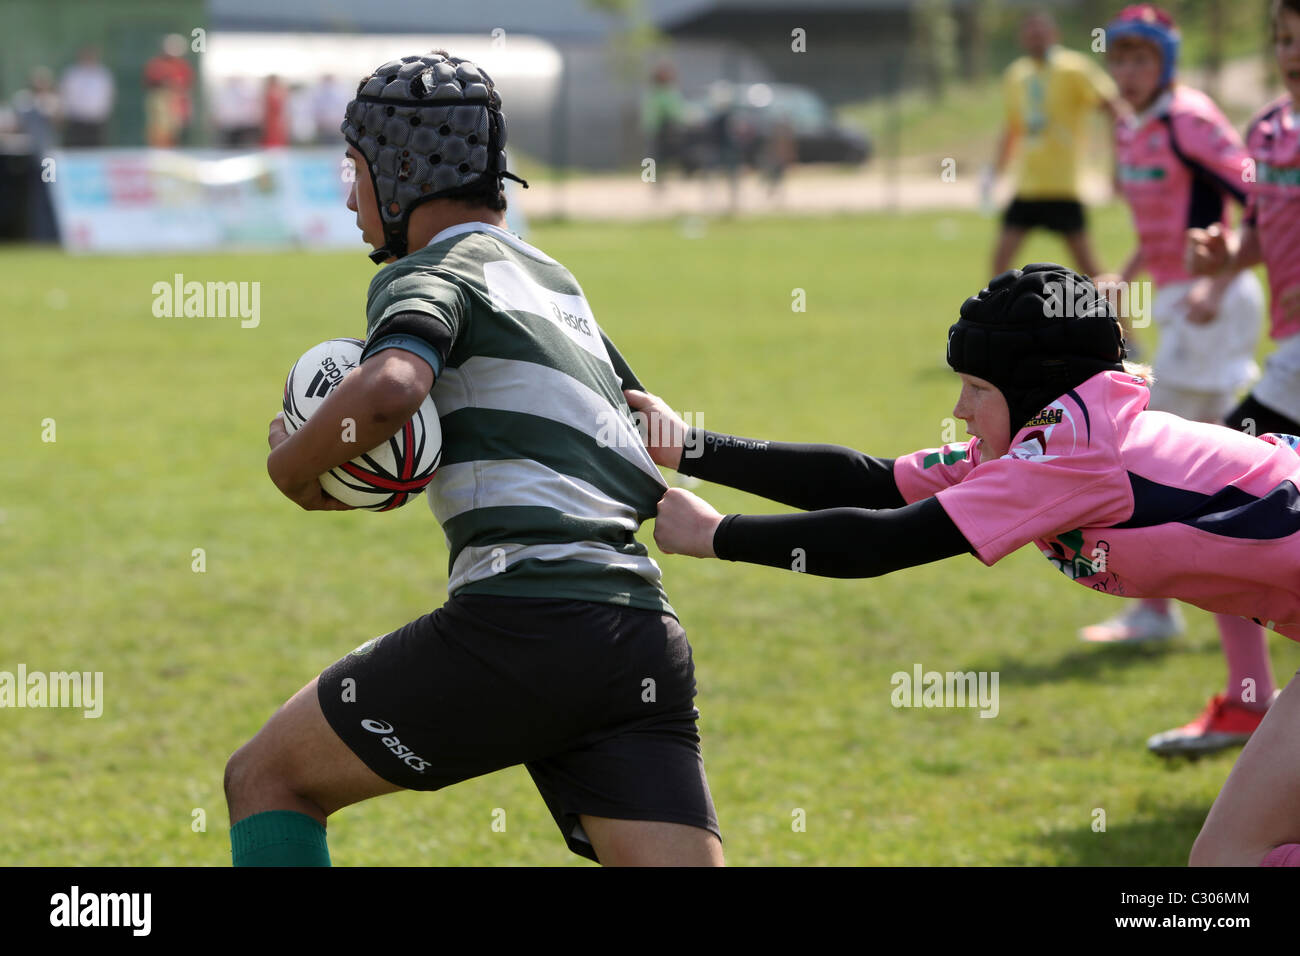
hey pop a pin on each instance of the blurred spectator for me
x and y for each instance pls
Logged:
(662, 117)
(728, 134)
(86, 92)
(330, 99)
(237, 113)
(36, 111)
(302, 120)
(275, 108)
(168, 79)
(780, 151)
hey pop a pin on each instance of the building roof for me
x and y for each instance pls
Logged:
(555, 19)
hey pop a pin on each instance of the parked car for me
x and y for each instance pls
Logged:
(735, 123)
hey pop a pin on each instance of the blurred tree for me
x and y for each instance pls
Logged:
(1216, 28)
(934, 36)
(978, 25)
(633, 44)
(1097, 13)
(981, 19)
(635, 39)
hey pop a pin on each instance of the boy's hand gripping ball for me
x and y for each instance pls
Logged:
(385, 477)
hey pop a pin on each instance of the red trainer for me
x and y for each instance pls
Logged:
(1222, 724)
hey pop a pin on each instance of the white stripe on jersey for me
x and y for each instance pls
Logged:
(512, 289)
(510, 385)
(521, 482)
(505, 235)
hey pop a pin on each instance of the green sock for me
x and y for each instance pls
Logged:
(279, 838)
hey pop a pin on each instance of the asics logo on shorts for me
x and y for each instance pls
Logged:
(399, 749)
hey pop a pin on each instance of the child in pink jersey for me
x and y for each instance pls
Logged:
(1065, 456)
(1271, 235)
(1180, 161)
(1264, 787)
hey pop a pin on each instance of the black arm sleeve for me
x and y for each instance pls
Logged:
(810, 477)
(423, 326)
(843, 542)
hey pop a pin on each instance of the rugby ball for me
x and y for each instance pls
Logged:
(387, 476)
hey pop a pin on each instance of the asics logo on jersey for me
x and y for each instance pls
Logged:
(399, 749)
(576, 322)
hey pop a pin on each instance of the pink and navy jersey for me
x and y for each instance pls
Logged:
(1179, 163)
(1273, 139)
(1132, 502)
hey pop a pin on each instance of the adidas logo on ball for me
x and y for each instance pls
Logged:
(329, 375)
(387, 476)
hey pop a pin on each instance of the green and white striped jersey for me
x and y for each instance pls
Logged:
(544, 479)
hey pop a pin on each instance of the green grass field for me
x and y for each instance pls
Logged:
(160, 450)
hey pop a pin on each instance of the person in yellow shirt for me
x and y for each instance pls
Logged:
(1049, 95)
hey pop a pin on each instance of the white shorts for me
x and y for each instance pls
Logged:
(1279, 389)
(1194, 405)
(1218, 356)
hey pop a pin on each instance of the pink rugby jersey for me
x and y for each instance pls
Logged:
(1273, 139)
(1178, 163)
(1132, 502)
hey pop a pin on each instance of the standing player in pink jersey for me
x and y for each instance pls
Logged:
(1264, 786)
(1271, 235)
(1180, 161)
(1065, 455)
